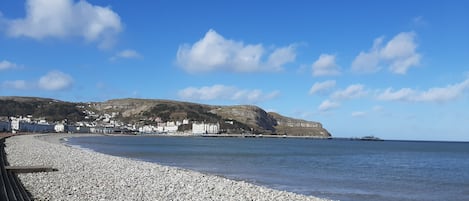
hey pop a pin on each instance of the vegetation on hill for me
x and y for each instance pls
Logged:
(48, 109)
(178, 112)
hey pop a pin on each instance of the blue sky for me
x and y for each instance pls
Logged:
(394, 69)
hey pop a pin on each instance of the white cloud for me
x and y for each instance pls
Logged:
(403, 94)
(16, 84)
(328, 105)
(435, 94)
(321, 87)
(214, 52)
(281, 56)
(399, 54)
(222, 92)
(351, 92)
(325, 65)
(5, 65)
(400, 51)
(401, 46)
(368, 62)
(126, 54)
(358, 114)
(54, 81)
(65, 18)
(402, 65)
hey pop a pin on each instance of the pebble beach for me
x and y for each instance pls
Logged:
(88, 175)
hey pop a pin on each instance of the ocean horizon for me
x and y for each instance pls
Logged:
(335, 169)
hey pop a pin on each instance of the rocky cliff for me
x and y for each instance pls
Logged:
(298, 127)
(253, 116)
(272, 123)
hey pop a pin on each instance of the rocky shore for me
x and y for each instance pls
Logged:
(87, 175)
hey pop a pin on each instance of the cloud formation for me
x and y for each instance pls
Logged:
(351, 92)
(5, 65)
(328, 105)
(321, 87)
(432, 95)
(66, 18)
(398, 55)
(222, 92)
(126, 54)
(214, 52)
(54, 81)
(435, 94)
(325, 65)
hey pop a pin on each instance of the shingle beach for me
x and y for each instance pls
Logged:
(87, 175)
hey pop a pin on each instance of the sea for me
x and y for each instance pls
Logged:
(347, 170)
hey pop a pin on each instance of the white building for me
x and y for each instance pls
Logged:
(171, 129)
(148, 129)
(19, 125)
(205, 128)
(59, 128)
(102, 130)
(160, 129)
(168, 127)
(15, 124)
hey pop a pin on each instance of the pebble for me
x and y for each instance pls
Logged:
(88, 175)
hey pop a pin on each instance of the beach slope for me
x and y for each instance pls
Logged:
(87, 175)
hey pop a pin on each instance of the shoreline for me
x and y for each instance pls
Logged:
(89, 175)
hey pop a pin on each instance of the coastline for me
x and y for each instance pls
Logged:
(180, 134)
(88, 175)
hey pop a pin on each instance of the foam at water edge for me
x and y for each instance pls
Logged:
(67, 143)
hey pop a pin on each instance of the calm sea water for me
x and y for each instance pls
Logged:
(334, 169)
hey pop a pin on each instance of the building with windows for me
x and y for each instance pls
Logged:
(205, 128)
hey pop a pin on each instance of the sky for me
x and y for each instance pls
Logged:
(392, 69)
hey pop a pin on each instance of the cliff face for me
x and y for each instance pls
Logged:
(232, 119)
(271, 123)
(253, 116)
(298, 127)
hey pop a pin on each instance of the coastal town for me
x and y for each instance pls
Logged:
(105, 124)
(148, 117)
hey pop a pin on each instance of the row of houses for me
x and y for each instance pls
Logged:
(25, 124)
(171, 127)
